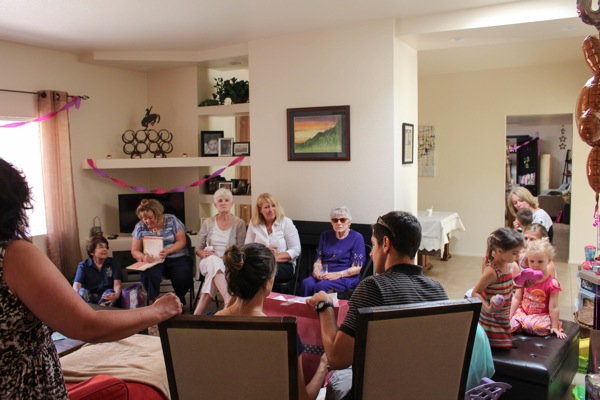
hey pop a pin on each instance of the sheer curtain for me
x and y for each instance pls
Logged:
(62, 239)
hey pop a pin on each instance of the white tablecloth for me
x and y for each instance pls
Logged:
(438, 228)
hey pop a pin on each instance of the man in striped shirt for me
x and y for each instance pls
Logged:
(396, 239)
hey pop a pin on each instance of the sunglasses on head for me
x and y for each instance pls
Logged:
(336, 220)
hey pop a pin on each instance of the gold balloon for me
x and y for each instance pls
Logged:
(588, 104)
(593, 169)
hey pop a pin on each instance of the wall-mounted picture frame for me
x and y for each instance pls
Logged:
(208, 143)
(319, 133)
(241, 148)
(226, 185)
(408, 143)
(225, 147)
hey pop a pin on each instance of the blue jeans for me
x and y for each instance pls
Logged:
(177, 269)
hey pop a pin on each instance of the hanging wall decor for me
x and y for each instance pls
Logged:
(562, 145)
(426, 151)
(158, 143)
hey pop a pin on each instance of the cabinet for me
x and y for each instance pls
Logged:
(524, 162)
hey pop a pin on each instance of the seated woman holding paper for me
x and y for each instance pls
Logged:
(216, 235)
(340, 257)
(250, 275)
(174, 258)
(271, 227)
(98, 279)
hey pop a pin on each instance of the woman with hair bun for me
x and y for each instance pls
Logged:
(250, 274)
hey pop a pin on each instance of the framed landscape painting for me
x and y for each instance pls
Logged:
(319, 133)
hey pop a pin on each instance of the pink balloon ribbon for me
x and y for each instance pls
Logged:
(161, 191)
(76, 102)
(512, 149)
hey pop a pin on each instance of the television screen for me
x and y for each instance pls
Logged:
(174, 203)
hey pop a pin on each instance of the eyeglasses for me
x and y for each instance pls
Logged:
(101, 246)
(336, 220)
(381, 222)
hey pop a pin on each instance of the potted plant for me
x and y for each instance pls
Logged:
(236, 91)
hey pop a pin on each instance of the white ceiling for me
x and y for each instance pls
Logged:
(450, 35)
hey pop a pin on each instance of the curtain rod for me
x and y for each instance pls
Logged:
(84, 97)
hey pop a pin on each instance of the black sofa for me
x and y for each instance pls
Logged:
(538, 367)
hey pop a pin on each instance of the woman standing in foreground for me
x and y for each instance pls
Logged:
(36, 299)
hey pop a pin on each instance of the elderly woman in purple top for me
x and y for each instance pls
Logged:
(340, 257)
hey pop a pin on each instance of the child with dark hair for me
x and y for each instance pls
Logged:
(495, 286)
(524, 218)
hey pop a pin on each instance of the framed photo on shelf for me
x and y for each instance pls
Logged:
(319, 133)
(241, 148)
(226, 185)
(208, 143)
(225, 147)
(408, 143)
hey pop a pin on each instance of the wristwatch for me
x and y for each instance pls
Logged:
(322, 305)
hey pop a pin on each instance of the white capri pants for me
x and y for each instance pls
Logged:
(209, 267)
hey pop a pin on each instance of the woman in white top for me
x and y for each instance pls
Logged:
(216, 235)
(519, 198)
(270, 226)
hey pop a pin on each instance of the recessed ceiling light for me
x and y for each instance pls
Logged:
(456, 39)
(568, 28)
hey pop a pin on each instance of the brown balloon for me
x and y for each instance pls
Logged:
(593, 169)
(588, 104)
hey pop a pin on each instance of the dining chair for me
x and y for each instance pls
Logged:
(421, 350)
(214, 357)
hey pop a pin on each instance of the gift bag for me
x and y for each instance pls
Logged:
(133, 296)
(308, 325)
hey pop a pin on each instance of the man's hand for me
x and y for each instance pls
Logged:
(316, 298)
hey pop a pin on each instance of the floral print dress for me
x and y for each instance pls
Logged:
(29, 364)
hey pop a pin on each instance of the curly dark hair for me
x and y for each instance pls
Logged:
(94, 241)
(248, 268)
(15, 200)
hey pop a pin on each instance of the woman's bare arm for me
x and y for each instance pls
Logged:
(36, 281)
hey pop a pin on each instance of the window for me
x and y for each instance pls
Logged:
(21, 147)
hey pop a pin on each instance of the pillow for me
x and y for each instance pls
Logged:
(100, 387)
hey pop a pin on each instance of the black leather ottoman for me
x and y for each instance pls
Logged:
(539, 367)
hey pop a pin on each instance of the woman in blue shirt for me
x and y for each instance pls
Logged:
(176, 264)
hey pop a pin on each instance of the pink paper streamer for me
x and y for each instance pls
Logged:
(161, 191)
(76, 102)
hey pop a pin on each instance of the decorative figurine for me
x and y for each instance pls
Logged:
(150, 119)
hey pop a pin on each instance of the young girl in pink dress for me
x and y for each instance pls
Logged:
(503, 248)
(535, 308)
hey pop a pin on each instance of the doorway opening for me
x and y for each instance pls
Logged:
(538, 157)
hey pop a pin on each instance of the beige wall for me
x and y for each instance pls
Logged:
(358, 66)
(117, 101)
(345, 66)
(469, 113)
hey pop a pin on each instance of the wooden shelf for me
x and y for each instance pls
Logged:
(227, 110)
(177, 162)
(237, 200)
